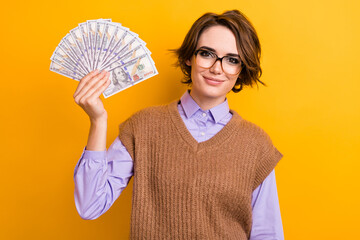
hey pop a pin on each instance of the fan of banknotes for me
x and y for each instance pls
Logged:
(104, 45)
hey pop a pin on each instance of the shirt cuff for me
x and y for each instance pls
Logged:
(94, 155)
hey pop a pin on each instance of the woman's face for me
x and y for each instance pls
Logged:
(212, 84)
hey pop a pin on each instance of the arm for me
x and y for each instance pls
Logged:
(267, 224)
(100, 177)
(87, 96)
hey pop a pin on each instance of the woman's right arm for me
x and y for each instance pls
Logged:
(100, 175)
(87, 96)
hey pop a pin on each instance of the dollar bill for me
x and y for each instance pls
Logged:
(80, 42)
(61, 58)
(100, 28)
(123, 37)
(69, 58)
(123, 76)
(91, 26)
(93, 33)
(128, 56)
(69, 42)
(110, 32)
(120, 40)
(140, 68)
(129, 42)
(64, 46)
(104, 45)
(117, 35)
(64, 71)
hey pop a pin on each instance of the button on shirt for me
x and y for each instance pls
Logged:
(108, 173)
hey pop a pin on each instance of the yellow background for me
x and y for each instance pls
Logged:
(311, 110)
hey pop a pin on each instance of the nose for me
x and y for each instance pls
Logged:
(216, 67)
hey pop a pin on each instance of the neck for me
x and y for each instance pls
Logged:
(206, 103)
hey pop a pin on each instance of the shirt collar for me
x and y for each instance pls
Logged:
(190, 107)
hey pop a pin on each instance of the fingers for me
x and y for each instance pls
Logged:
(101, 89)
(85, 80)
(94, 92)
(87, 84)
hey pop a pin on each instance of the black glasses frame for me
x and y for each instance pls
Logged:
(217, 58)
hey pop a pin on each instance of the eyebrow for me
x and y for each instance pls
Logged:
(213, 50)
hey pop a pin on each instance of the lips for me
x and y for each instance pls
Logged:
(213, 81)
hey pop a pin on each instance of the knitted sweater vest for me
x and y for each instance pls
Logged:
(183, 189)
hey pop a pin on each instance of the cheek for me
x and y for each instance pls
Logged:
(231, 82)
(233, 79)
(195, 75)
(197, 71)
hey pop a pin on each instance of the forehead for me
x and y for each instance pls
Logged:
(219, 38)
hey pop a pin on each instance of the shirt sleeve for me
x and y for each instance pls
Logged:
(267, 224)
(100, 177)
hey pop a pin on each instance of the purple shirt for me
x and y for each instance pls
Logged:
(101, 176)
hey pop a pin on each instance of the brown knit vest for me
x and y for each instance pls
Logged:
(183, 189)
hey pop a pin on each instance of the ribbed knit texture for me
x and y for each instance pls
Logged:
(183, 189)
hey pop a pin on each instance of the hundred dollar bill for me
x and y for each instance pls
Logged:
(102, 44)
(110, 32)
(130, 32)
(121, 38)
(91, 26)
(128, 56)
(69, 52)
(66, 63)
(70, 43)
(80, 42)
(117, 34)
(119, 80)
(140, 68)
(84, 28)
(64, 71)
(68, 59)
(129, 42)
(130, 73)
(62, 63)
(92, 33)
(99, 38)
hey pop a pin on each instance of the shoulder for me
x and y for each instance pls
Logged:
(257, 132)
(251, 129)
(151, 114)
(142, 119)
(152, 111)
(254, 134)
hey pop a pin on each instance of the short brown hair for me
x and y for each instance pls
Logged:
(247, 42)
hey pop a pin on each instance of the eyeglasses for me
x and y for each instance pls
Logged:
(207, 59)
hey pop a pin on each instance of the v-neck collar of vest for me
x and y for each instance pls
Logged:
(218, 139)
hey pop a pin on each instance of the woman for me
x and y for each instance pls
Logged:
(200, 170)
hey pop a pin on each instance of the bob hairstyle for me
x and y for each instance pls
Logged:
(247, 42)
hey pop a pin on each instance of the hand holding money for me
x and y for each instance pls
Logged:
(87, 94)
(104, 45)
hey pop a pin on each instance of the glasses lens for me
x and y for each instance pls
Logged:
(205, 58)
(231, 65)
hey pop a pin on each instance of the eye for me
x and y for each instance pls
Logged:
(206, 54)
(233, 60)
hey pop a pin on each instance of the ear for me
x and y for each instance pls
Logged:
(188, 62)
